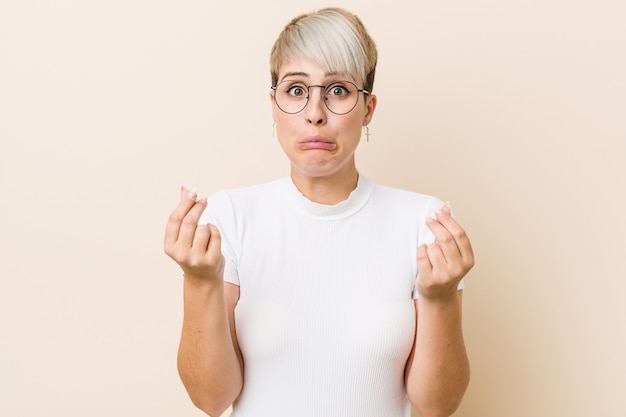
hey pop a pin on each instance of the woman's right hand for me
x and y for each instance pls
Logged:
(196, 248)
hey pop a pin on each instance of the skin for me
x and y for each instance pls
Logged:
(209, 359)
(437, 372)
(323, 176)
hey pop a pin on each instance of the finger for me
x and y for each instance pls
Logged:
(207, 241)
(424, 267)
(443, 215)
(215, 244)
(437, 259)
(189, 224)
(187, 201)
(444, 240)
(201, 239)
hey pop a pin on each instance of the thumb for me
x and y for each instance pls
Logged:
(423, 262)
(215, 241)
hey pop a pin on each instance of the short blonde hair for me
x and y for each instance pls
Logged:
(332, 38)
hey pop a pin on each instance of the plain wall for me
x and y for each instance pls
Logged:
(512, 110)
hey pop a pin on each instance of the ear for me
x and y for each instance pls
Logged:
(370, 107)
(272, 103)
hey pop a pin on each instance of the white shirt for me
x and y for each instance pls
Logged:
(326, 317)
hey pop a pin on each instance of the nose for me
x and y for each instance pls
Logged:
(315, 111)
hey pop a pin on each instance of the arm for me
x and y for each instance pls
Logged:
(209, 360)
(437, 372)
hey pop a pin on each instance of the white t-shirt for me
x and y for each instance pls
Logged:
(326, 317)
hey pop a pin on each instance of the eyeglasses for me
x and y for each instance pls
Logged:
(340, 97)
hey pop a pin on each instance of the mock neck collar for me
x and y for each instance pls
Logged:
(355, 201)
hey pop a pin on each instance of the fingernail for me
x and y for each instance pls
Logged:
(193, 194)
(445, 208)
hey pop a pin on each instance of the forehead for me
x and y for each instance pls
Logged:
(303, 68)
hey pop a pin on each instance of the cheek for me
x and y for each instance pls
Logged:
(282, 131)
(286, 122)
(280, 125)
(354, 126)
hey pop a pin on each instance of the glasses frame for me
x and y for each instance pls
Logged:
(324, 88)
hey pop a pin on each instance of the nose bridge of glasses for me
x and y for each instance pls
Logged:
(322, 91)
(321, 98)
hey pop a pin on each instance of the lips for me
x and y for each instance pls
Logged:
(316, 142)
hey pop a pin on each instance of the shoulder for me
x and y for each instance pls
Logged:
(258, 191)
(225, 204)
(402, 199)
(405, 211)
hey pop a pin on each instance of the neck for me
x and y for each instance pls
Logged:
(329, 190)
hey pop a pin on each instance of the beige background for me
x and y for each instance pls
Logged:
(512, 110)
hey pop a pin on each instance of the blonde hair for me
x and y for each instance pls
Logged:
(332, 38)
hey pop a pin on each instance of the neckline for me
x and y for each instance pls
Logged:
(355, 201)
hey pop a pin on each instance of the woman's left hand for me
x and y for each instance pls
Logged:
(445, 262)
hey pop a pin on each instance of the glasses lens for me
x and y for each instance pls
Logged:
(340, 97)
(291, 96)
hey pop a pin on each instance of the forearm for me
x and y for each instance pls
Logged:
(208, 362)
(438, 369)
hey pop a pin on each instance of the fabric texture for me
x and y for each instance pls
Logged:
(326, 316)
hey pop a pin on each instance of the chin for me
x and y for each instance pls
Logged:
(321, 170)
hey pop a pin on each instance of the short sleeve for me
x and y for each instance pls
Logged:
(220, 213)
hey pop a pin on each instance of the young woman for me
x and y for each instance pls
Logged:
(302, 296)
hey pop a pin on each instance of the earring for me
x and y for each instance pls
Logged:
(274, 130)
(367, 133)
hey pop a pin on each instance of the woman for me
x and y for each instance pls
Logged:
(300, 296)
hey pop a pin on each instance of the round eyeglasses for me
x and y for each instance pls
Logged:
(340, 97)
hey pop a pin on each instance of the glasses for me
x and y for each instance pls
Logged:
(340, 97)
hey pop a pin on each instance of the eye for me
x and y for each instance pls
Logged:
(297, 91)
(338, 90)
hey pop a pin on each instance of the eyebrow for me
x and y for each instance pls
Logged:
(304, 74)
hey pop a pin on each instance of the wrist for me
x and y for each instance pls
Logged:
(441, 301)
(201, 283)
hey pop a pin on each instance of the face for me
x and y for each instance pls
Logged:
(318, 142)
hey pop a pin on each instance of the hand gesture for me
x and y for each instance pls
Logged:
(196, 248)
(445, 262)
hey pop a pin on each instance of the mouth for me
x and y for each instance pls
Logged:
(316, 142)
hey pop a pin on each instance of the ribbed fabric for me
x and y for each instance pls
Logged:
(326, 316)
